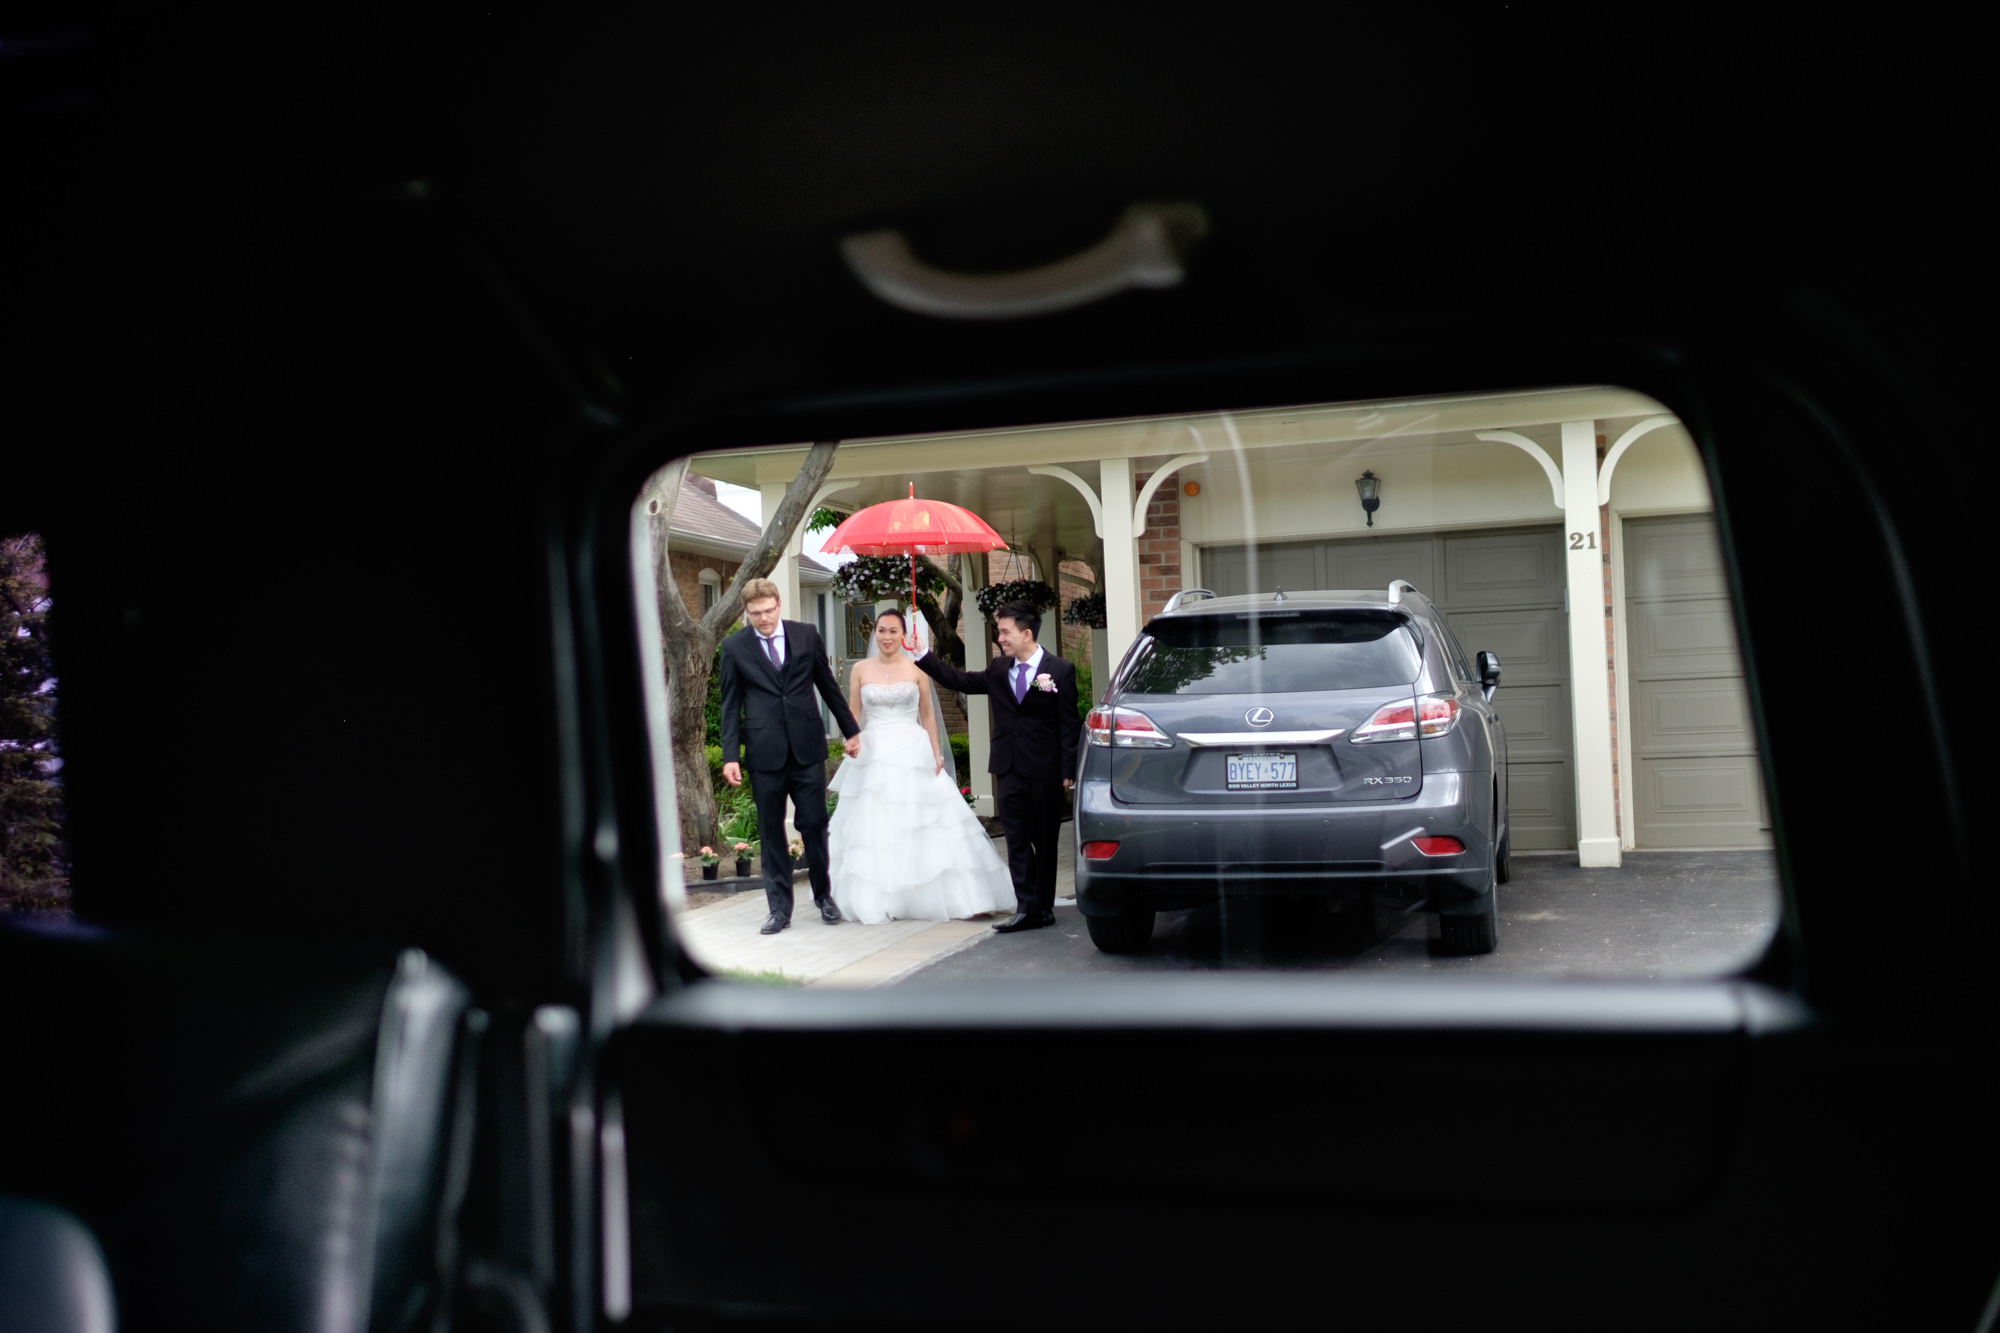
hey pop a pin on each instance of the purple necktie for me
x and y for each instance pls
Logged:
(771, 651)
(1020, 682)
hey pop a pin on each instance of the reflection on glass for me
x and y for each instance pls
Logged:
(1278, 652)
(1508, 730)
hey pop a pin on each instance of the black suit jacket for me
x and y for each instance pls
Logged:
(1036, 738)
(769, 716)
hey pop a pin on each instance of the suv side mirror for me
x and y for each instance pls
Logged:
(1489, 673)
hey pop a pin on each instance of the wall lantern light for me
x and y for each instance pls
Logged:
(1370, 487)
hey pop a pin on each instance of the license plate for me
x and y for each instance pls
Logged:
(1263, 772)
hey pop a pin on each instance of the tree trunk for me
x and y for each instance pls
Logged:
(687, 716)
(688, 643)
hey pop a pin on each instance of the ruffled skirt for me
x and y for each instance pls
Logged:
(904, 844)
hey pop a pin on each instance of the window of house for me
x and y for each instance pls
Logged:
(1257, 677)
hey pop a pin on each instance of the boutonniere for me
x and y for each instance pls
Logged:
(1045, 683)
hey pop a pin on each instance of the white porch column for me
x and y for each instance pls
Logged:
(978, 715)
(1590, 691)
(1121, 559)
(786, 573)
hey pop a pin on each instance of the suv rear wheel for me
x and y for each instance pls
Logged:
(1127, 932)
(1478, 932)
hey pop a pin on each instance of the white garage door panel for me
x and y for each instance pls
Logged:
(1695, 777)
(1226, 570)
(1529, 644)
(1674, 558)
(1691, 717)
(1701, 802)
(1508, 569)
(1536, 718)
(1686, 639)
(1373, 564)
(1540, 799)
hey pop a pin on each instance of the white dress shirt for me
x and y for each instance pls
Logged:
(1034, 669)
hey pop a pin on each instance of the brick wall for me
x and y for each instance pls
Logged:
(687, 576)
(1160, 547)
(1076, 638)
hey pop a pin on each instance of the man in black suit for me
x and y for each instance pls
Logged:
(1032, 695)
(770, 669)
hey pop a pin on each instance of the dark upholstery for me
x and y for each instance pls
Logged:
(259, 1136)
(52, 1274)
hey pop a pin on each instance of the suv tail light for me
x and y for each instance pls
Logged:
(1438, 846)
(1126, 727)
(1437, 714)
(1099, 851)
(1404, 720)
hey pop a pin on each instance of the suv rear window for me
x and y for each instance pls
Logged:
(1274, 652)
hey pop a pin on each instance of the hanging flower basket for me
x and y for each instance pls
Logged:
(1087, 611)
(1030, 592)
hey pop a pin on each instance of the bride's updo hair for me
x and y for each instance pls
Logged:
(901, 623)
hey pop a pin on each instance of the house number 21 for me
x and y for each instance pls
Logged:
(1583, 541)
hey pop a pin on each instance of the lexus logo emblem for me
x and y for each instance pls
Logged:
(1260, 717)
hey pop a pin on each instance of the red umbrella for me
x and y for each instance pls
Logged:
(912, 527)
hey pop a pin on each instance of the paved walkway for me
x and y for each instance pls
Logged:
(723, 937)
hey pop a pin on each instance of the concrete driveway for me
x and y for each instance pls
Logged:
(1660, 916)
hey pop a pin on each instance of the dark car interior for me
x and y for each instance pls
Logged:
(334, 349)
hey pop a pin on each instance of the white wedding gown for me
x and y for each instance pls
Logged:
(904, 844)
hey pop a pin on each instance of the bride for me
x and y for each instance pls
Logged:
(904, 845)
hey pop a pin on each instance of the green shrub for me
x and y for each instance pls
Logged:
(961, 745)
(1084, 689)
(715, 762)
(736, 813)
(836, 750)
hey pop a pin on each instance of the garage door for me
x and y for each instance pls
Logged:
(1503, 592)
(1695, 779)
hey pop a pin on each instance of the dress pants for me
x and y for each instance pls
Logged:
(1031, 811)
(806, 785)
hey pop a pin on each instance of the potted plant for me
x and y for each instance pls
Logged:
(744, 851)
(709, 862)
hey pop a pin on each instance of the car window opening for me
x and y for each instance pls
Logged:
(1166, 683)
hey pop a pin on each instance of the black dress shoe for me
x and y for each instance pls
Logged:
(774, 924)
(828, 912)
(1048, 919)
(1021, 921)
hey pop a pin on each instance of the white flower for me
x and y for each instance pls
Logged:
(1045, 683)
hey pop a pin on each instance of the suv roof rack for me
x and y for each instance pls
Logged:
(1183, 594)
(1397, 587)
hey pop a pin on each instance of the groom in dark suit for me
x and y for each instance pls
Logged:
(770, 671)
(1032, 695)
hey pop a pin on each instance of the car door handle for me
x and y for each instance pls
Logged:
(1147, 248)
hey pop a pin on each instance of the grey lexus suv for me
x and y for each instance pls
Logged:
(1334, 745)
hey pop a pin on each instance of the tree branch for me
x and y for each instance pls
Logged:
(661, 493)
(778, 532)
